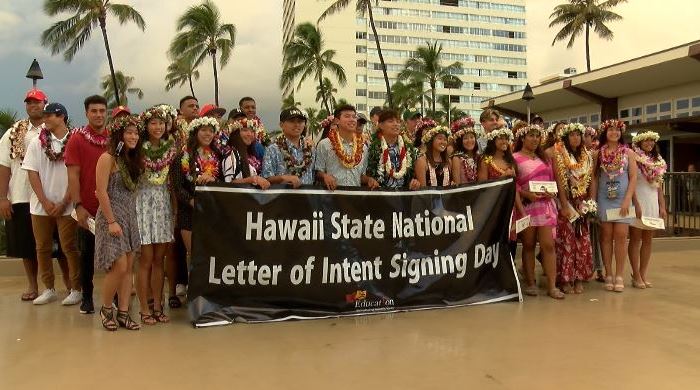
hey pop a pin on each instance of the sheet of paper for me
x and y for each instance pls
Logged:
(614, 214)
(543, 186)
(649, 223)
(522, 224)
(90, 221)
(574, 214)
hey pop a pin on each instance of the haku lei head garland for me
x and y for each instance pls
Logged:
(653, 169)
(326, 123)
(498, 133)
(122, 122)
(613, 123)
(294, 167)
(17, 134)
(201, 122)
(590, 131)
(254, 124)
(463, 126)
(348, 161)
(47, 145)
(433, 132)
(571, 127)
(425, 123)
(156, 112)
(525, 130)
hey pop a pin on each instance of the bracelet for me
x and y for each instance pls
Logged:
(109, 223)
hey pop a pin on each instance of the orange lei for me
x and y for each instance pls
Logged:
(348, 161)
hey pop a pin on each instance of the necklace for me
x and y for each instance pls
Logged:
(47, 145)
(386, 167)
(126, 176)
(652, 169)
(613, 164)
(93, 138)
(445, 175)
(296, 168)
(206, 163)
(469, 167)
(157, 160)
(17, 134)
(577, 174)
(348, 161)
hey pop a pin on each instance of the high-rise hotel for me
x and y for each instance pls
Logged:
(487, 37)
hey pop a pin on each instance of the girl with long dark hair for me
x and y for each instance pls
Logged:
(116, 229)
(466, 151)
(239, 165)
(433, 168)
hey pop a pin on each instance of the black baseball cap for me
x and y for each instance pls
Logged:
(291, 113)
(236, 113)
(411, 114)
(56, 108)
(361, 118)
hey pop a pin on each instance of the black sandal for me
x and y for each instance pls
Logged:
(107, 316)
(147, 319)
(125, 321)
(174, 302)
(159, 316)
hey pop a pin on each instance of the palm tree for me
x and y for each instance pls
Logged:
(325, 91)
(290, 102)
(362, 7)
(305, 56)
(312, 121)
(577, 15)
(8, 117)
(181, 71)
(71, 34)
(406, 95)
(202, 34)
(427, 67)
(124, 84)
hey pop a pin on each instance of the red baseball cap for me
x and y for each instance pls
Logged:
(36, 94)
(120, 109)
(211, 109)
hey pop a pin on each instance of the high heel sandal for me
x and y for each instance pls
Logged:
(619, 287)
(609, 283)
(125, 321)
(639, 285)
(107, 316)
(159, 316)
(147, 319)
(556, 293)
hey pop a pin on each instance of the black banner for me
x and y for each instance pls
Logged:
(308, 253)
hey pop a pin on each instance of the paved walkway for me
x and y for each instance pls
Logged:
(640, 339)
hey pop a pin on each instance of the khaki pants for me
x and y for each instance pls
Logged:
(44, 228)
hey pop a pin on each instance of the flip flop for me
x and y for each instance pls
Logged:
(30, 296)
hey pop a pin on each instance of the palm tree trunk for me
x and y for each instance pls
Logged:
(189, 78)
(323, 94)
(381, 56)
(588, 49)
(432, 95)
(216, 78)
(103, 27)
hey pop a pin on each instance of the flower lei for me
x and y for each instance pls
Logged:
(579, 173)
(46, 144)
(293, 167)
(647, 135)
(462, 123)
(129, 183)
(255, 163)
(206, 163)
(157, 160)
(498, 133)
(523, 131)
(326, 123)
(348, 161)
(468, 165)
(386, 168)
(610, 123)
(93, 138)
(17, 134)
(571, 127)
(653, 170)
(488, 160)
(612, 163)
(591, 131)
(430, 134)
(445, 174)
(201, 122)
(425, 123)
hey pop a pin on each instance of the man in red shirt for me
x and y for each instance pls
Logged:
(82, 152)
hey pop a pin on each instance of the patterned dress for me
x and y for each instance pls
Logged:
(154, 212)
(542, 212)
(573, 241)
(108, 248)
(608, 199)
(469, 168)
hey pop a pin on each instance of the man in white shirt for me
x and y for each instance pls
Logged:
(50, 205)
(14, 188)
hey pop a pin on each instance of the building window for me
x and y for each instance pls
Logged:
(360, 92)
(682, 104)
(361, 107)
(451, 3)
(624, 113)
(360, 49)
(454, 98)
(665, 107)
(361, 63)
(360, 78)
(512, 75)
(595, 118)
(583, 120)
(651, 109)
(361, 35)
(477, 86)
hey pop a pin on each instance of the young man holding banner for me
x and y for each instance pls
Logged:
(289, 159)
(341, 159)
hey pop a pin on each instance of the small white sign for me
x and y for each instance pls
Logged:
(543, 186)
(614, 214)
(522, 224)
(649, 223)
(90, 221)
(574, 214)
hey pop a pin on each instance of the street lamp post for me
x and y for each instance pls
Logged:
(528, 96)
(34, 73)
(449, 103)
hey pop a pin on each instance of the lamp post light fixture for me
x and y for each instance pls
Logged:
(34, 73)
(528, 96)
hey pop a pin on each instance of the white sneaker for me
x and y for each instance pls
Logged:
(180, 290)
(74, 298)
(49, 295)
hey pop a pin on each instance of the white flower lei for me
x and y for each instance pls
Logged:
(204, 121)
(523, 131)
(387, 166)
(430, 134)
(502, 132)
(570, 128)
(652, 135)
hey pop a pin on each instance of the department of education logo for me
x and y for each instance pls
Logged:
(361, 300)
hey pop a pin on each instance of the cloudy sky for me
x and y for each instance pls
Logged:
(649, 26)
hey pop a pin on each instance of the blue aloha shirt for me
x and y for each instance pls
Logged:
(274, 165)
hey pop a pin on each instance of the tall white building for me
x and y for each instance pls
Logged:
(487, 37)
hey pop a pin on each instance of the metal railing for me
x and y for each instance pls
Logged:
(682, 193)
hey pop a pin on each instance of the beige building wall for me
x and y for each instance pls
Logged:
(403, 25)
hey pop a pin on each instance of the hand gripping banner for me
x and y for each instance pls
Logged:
(297, 254)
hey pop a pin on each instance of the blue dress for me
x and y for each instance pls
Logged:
(617, 186)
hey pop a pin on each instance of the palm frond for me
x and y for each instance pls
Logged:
(125, 13)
